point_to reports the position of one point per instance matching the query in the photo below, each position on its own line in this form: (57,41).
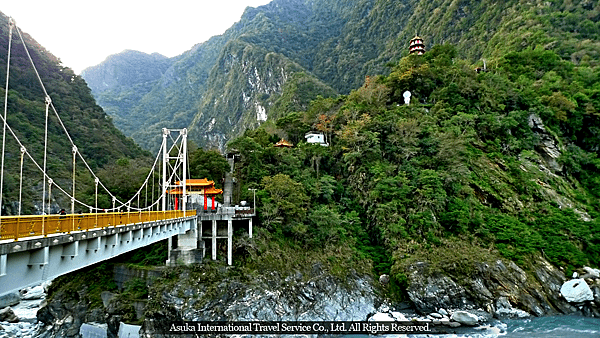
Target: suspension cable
(11,24)
(37,165)
(50,182)
(49,104)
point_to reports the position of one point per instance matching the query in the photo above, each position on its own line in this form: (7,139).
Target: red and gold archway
(197,187)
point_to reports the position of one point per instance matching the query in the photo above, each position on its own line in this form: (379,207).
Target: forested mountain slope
(123,80)
(234,81)
(90,128)
(480,168)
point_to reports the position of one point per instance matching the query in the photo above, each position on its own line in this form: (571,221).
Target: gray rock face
(63,316)
(433,292)
(576,291)
(485,286)
(269,297)
(548,143)
(505,310)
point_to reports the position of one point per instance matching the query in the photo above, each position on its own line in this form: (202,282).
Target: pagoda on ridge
(416,46)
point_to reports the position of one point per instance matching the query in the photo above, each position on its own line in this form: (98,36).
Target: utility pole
(253,198)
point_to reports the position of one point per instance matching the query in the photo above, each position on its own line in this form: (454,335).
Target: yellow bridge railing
(15,227)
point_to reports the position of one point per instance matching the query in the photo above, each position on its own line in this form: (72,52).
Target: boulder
(36,292)
(576,291)
(381,317)
(384,279)
(10,299)
(595,273)
(465,318)
(7,315)
(398,316)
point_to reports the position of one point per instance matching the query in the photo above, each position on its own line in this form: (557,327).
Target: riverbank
(480,300)
(316,297)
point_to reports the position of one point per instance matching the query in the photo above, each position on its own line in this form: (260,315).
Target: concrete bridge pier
(216,229)
(185,248)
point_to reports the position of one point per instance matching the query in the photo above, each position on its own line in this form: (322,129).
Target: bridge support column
(229,242)
(3,265)
(185,248)
(214,239)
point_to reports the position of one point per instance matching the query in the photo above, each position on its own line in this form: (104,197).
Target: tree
(208,164)
(287,202)
(294,126)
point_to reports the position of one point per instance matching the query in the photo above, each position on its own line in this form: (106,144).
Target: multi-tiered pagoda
(416,46)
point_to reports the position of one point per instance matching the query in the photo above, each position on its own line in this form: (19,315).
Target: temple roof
(213,191)
(197,182)
(284,143)
(209,187)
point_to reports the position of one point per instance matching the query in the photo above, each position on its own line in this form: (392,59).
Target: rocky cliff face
(215,294)
(298,297)
(496,287)
(246,82)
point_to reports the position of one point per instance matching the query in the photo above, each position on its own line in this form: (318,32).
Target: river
(537,327)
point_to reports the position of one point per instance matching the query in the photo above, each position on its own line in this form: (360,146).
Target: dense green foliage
(465,163)
(88,126)
(209,164)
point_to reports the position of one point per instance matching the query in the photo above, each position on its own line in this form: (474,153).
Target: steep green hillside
(122,80)
(141,104)
(89,127)
(502,164)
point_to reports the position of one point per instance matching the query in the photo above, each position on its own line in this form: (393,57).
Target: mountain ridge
(338,44)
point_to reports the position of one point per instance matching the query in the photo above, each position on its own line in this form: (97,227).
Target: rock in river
(576,291)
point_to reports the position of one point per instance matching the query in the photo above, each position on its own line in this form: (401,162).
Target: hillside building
(316,138)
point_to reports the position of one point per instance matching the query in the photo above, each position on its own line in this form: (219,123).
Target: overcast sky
(82,33)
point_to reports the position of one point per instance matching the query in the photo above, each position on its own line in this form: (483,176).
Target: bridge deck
(16,227)
(36,258)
